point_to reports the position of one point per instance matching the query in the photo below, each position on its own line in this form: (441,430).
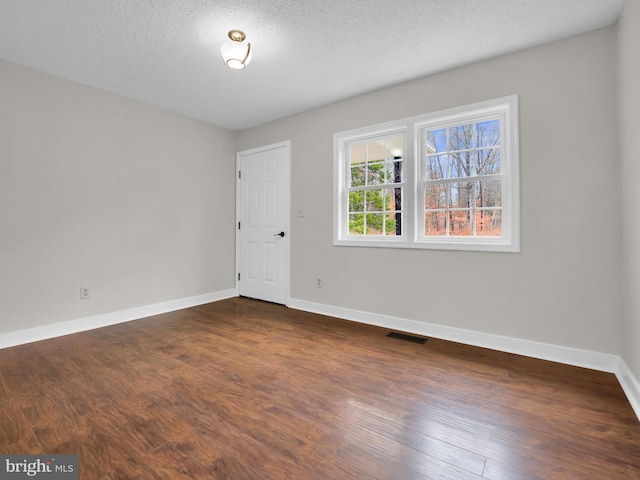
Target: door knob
(281,235)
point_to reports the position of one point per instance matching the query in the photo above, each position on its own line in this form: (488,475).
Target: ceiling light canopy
(235,53)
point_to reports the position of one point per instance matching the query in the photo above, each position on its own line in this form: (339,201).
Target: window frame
(414,131)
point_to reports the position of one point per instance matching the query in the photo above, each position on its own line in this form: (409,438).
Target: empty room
(319,240)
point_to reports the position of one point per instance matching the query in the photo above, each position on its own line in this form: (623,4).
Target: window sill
(479,245)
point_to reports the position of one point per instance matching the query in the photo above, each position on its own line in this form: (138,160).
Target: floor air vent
(406,338)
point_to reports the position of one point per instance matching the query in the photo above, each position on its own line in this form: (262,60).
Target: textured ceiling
(306,53)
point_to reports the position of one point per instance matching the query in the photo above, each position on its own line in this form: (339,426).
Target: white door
(263,223)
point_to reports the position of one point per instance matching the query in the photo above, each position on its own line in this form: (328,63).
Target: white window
(446,180)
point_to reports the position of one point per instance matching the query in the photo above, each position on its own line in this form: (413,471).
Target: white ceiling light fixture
(235,53)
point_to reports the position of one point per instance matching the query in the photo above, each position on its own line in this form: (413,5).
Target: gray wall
(564,287)
(629,101)
(96,190)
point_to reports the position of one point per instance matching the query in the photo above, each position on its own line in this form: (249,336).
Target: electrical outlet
(84,293)
(318,282)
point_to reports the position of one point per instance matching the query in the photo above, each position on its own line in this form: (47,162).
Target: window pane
(461,164)
(356,201)
(435,196)
(392,199)
(356,224)
(489,193)
(393,211)
(461,195)
(460,223)
(393,224)
(374,223)
(374,200)
(488,161)
(394,171)
(436,141)
(376,150)
(357,159)
(461,137)
(489,133)
(489,223)
(436,167)
(375,173)
(357,153)
(357,175)
(395,147)
(435,223)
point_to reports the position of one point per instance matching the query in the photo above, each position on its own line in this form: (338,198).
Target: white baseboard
(630,385)
(44,332)
(570,356)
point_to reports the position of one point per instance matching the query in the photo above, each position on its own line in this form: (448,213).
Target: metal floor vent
(406,338)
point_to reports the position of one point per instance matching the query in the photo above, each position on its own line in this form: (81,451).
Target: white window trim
(506,107)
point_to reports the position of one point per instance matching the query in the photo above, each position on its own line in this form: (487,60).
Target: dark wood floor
(242,389)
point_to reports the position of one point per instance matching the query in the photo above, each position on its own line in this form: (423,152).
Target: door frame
(287,200)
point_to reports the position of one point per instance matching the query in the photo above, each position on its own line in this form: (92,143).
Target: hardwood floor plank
(385,459)
(241,389)
(16,434)
(415,436)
